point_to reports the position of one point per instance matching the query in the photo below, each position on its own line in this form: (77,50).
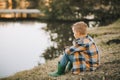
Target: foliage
(104,10)
(61,35)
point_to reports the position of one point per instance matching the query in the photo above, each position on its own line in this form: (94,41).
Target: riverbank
(108,41)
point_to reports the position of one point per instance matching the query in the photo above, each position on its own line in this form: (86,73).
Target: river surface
(21,44)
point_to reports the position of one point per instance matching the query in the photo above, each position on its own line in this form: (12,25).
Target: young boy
(82,56)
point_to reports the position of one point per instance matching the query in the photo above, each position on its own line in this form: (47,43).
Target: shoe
(60,71)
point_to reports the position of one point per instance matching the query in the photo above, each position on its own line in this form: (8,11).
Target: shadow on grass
(117,41)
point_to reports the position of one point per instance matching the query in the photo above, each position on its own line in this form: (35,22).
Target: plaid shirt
(85,55)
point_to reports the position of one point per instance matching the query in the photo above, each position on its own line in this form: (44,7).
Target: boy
(82,56)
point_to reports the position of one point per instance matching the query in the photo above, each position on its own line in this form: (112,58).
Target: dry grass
(108,41)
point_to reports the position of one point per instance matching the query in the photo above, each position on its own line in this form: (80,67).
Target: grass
(108,40)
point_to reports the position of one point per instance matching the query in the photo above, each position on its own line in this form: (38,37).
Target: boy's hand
(67,50)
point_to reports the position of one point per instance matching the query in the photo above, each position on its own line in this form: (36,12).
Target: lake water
(21,44)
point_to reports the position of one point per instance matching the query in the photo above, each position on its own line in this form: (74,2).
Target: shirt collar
(82,37)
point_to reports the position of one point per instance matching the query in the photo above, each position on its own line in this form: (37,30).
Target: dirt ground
(108,40)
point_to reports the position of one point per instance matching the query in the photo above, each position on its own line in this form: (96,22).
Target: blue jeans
(65,59)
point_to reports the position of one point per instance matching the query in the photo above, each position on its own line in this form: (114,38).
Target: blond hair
(80,27)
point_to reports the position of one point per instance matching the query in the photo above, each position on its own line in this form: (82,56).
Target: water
(21,44)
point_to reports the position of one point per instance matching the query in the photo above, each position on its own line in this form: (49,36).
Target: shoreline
(108,40)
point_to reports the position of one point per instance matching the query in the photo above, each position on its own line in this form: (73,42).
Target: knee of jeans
(60,57)
(67,51)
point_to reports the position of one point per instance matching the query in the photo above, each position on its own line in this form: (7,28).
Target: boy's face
(76,34)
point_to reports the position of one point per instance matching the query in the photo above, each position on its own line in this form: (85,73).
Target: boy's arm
(73,49)
(79,45)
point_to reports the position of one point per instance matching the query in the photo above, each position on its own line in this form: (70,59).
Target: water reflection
(61,35)
(21,44)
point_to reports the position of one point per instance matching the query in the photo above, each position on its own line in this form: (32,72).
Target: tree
(104,10)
